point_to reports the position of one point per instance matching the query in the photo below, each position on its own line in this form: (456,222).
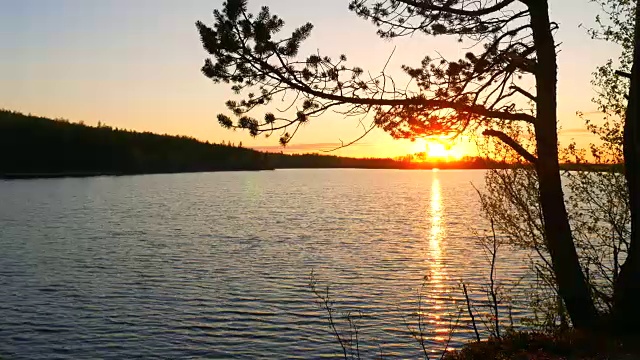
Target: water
(217,265)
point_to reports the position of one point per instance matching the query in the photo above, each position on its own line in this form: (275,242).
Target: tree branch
(524,92)
(451,95)
(415,101)
(424,5)
(623,74)
(626,75)
(512,143)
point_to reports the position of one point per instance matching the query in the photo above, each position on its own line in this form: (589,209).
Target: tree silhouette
(36,146)
(620,134)
(484,89)
(627,288)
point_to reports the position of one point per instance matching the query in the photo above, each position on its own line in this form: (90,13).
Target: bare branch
(524,92)
(623,74)
(473,319)
(626,75)
(512,143)
(343,145)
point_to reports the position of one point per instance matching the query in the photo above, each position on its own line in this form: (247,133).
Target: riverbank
(563,345)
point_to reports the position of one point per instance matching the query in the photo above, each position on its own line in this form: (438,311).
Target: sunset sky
(135,64)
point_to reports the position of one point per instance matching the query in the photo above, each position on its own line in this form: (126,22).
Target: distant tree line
(37,145)
(32,146)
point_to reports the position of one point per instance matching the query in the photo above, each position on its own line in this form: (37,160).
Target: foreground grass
(566,345)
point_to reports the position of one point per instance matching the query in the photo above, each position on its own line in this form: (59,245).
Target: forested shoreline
(33,146)
(38,147)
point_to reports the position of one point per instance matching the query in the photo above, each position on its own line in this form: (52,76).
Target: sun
(436,150)
(439,151)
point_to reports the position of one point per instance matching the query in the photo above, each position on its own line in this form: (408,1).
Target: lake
(218,265)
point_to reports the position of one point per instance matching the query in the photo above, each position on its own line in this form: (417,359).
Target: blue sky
(136,64)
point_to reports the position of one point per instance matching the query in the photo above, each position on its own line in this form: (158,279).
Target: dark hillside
(36,145)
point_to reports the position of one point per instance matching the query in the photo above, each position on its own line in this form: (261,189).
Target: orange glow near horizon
(157,86)
(441,149)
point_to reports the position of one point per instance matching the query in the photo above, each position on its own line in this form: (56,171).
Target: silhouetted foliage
(451,95)
(512,42)
(618,86)
(599,206)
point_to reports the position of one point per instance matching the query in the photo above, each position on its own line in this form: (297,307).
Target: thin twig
(326,304)
(473,319)
(494,297)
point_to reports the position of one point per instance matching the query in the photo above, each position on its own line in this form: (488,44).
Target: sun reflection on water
(436,284)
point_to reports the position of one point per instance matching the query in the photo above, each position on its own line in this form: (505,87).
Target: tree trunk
(627,288)
(572,285)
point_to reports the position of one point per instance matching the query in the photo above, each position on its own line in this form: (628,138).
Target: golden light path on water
(436,285)
(218,263)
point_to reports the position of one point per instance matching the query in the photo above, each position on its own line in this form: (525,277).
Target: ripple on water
(217,265)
